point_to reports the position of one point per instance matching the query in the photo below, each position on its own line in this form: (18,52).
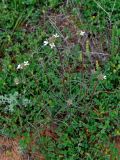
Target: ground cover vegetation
(59,79)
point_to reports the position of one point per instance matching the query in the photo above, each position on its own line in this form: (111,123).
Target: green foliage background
(85,127)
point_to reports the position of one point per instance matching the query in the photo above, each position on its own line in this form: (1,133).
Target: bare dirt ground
(9,150)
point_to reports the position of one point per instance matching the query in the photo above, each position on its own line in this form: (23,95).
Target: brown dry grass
(117,143)
(9,150)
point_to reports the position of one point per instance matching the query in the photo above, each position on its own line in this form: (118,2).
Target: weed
(59,77)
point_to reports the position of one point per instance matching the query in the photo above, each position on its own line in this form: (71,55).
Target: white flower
(19,66)
(56,35)
(45,43)
(101,76)
(104,77)
(52,45)
(22,65)
(26,63)
(82,33)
